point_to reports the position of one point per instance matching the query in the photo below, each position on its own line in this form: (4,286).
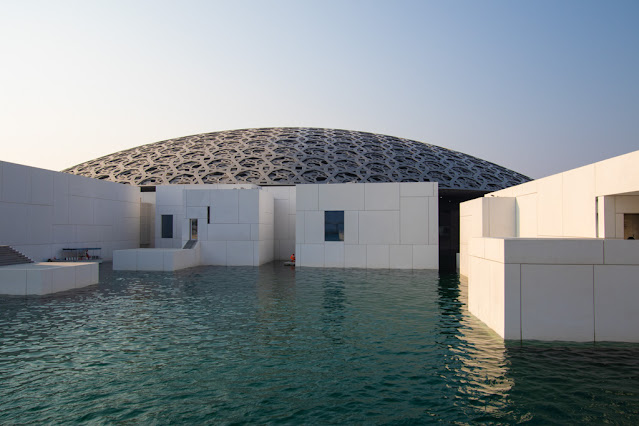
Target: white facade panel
(579,203)
(213,252)
(414,220)
(557,302)
(198,198)
(39,229)
(16,183)
(311,255)
(378,256)
(13,282)
(239,253)
(616,296)
(554,251)
(300,225)
(348,196)
(334,254)
(306,197)
(351,227)
(425,256)
(621,252)
(169,195)
(42,187)
(229,232)
(313,227)
(354,256)
(550,208)
(379,227)
(249,206)
(57,210)
(401,257)
(376,217)
(416,189)
(225,206)
(381,196)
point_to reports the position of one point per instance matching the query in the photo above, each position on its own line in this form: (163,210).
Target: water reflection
(478,355)
(259,345)
(575,382)
(334,308)
(542,382)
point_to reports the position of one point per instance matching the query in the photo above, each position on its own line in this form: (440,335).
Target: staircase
(9,256)
(190,244)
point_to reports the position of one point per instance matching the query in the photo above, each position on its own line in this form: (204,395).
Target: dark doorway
(449,201)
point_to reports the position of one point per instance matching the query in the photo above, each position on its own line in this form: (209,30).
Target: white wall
(544,283)
(585,202)
(565,205)
(147,259)
(47,278)
(485,217)
(386,225)
(171,200)
(556,289)
(241,231)
(42,211)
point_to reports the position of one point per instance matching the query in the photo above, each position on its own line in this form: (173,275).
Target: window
(167,226)
(334,226)
(208,214)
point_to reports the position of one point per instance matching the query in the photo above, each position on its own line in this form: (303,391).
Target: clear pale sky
(536,86)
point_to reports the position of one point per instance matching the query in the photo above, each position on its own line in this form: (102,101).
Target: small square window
(333,226)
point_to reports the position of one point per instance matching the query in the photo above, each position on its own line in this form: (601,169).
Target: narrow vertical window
(208,214)
(167,226)
(333,226)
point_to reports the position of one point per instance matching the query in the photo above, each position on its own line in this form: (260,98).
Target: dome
(289,156)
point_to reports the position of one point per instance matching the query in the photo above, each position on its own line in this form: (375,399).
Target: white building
(49,215)
(551,259)
(368,225)
(42,213)
(378,225)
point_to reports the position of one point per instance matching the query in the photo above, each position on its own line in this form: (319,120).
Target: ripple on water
(275,345)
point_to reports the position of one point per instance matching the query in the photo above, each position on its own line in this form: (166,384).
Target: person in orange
(293,257)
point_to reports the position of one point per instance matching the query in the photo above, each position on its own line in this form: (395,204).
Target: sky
(536,86)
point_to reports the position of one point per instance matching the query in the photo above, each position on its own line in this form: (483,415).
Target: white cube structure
(234,223)
(383,225)
(557,258)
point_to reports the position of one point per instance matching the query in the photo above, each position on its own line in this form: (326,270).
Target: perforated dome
(288,156)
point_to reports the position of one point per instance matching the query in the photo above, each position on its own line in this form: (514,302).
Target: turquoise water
(215,345)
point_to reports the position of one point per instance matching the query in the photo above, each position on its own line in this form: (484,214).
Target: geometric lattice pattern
(287,156)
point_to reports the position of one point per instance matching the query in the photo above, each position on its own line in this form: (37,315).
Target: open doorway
(193,229)
(449,225)
(631,226)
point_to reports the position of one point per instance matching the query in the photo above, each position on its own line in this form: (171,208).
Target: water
(215,345)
